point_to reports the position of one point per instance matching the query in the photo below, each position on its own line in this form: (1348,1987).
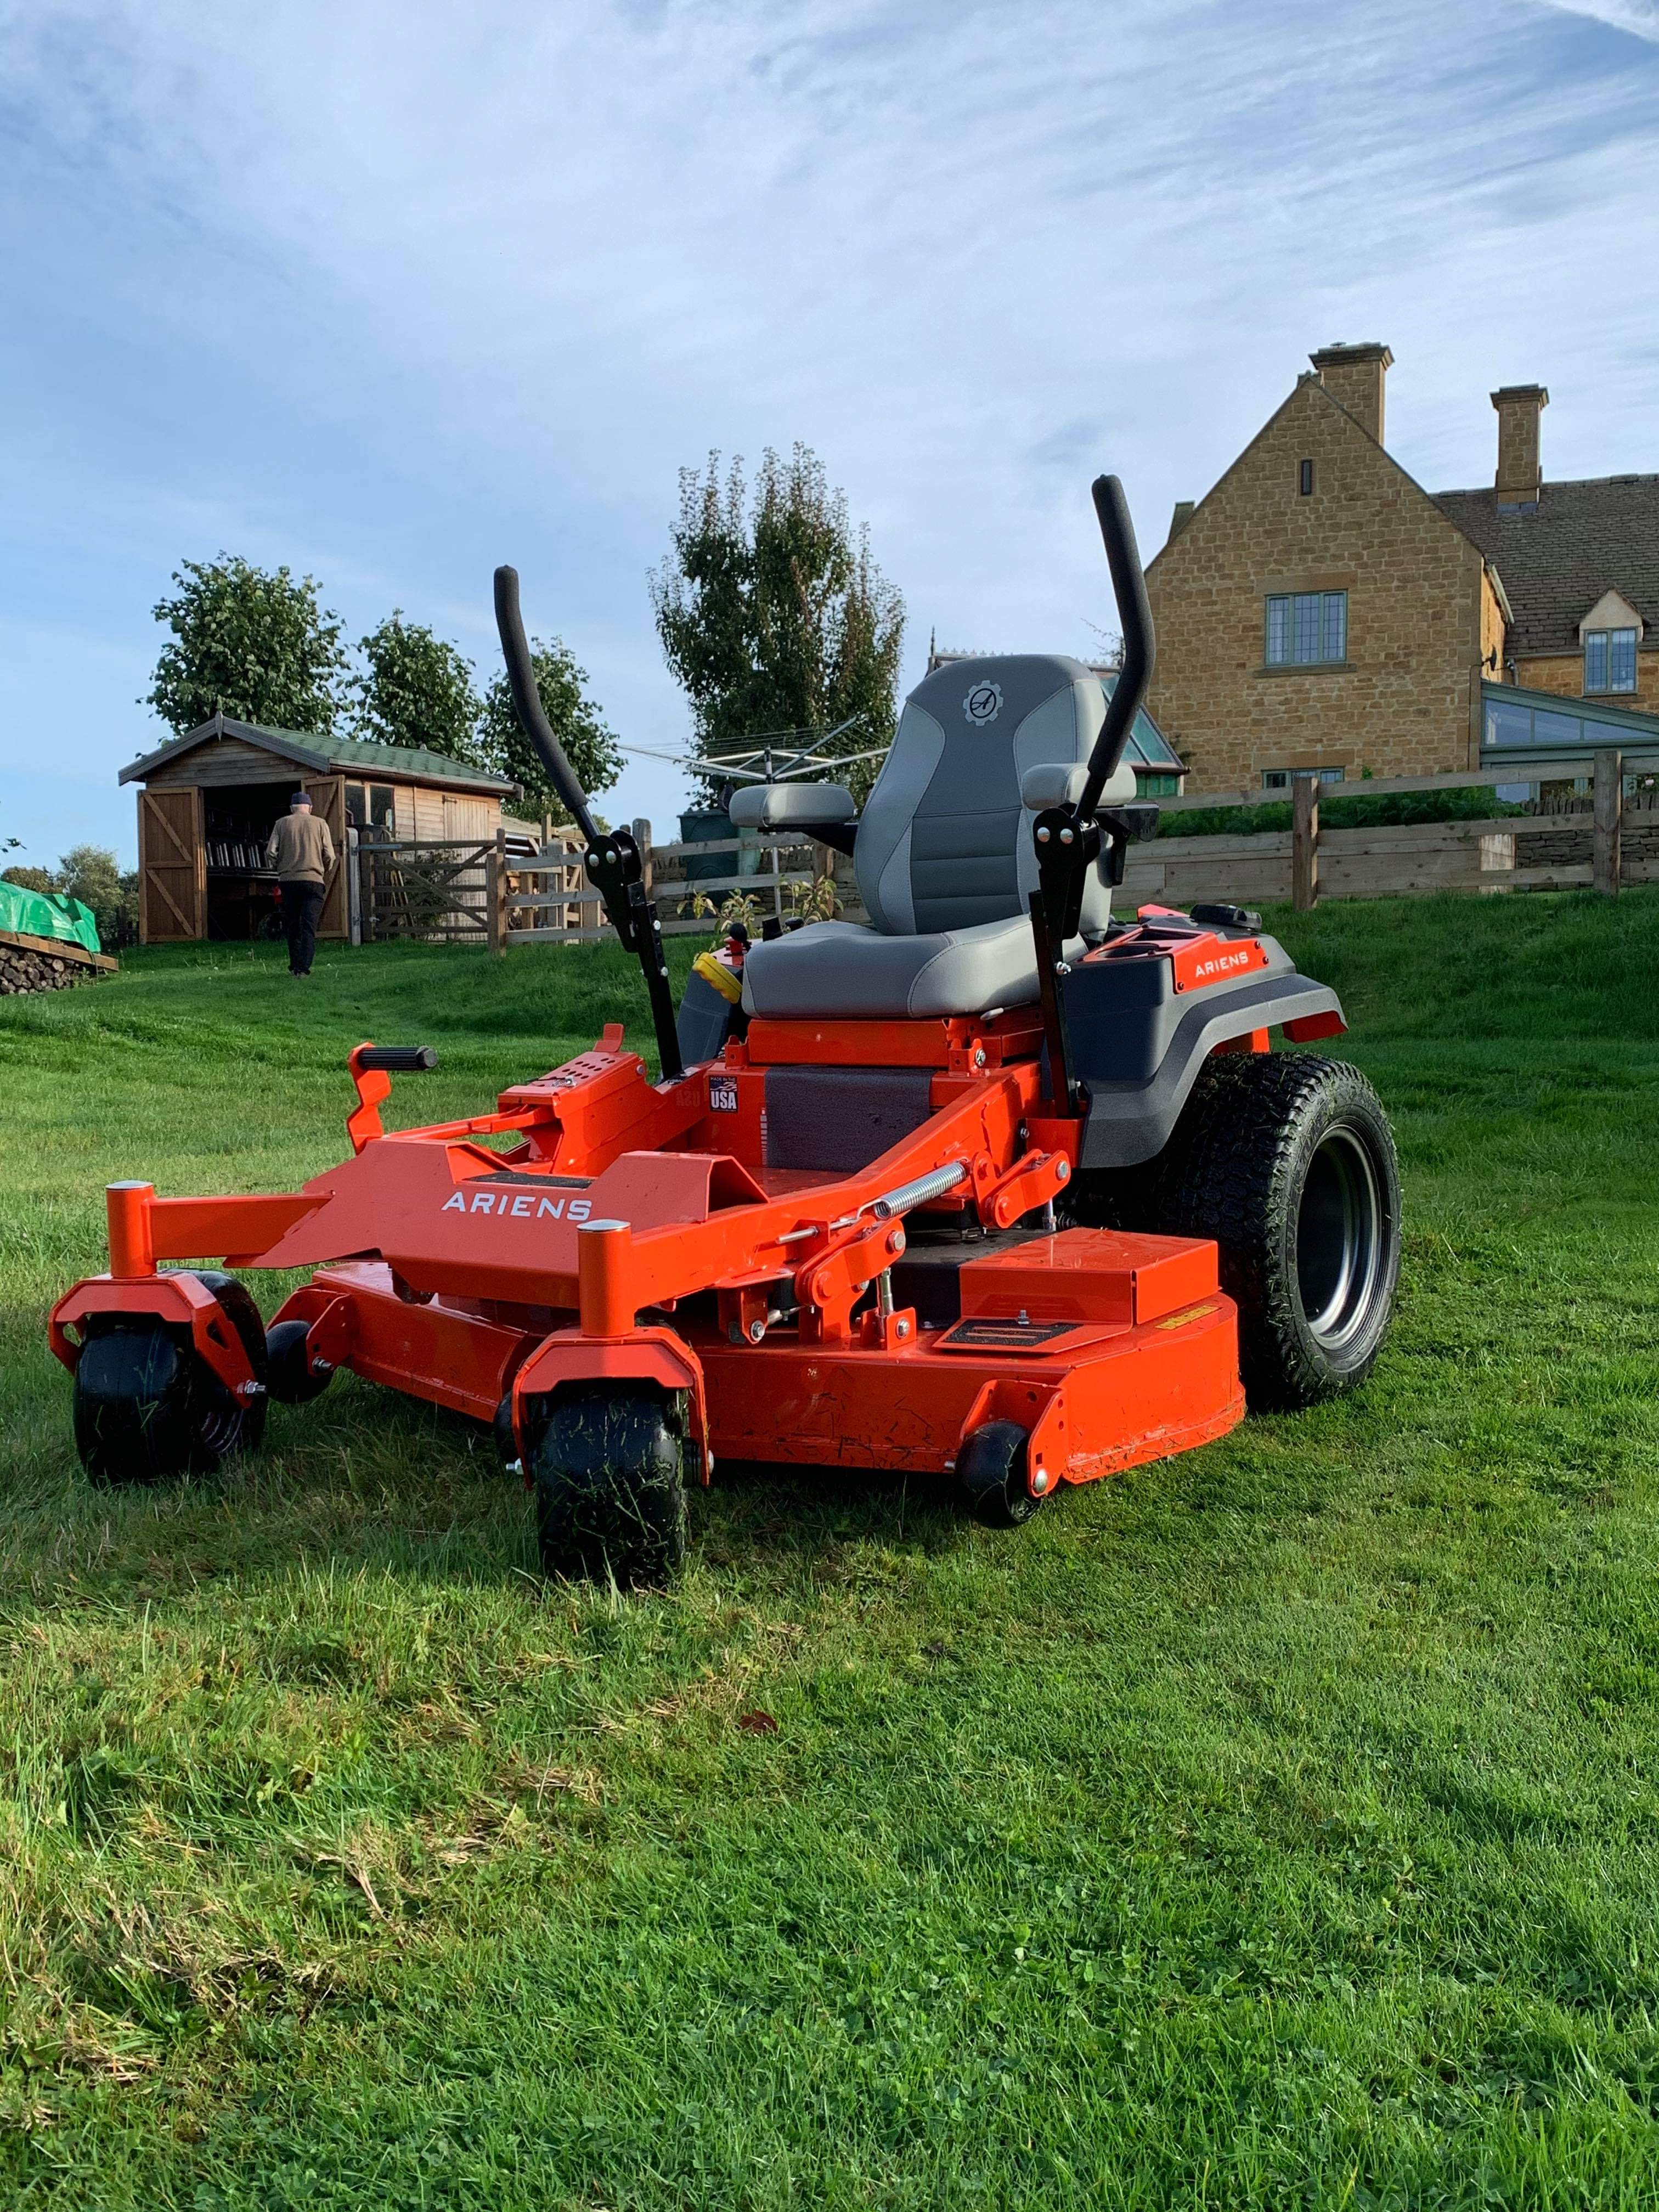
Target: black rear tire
(148,1408)
(991,1475)
(1287,1160)
(606,1464)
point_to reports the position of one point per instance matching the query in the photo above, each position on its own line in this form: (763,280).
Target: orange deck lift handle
(372,1067)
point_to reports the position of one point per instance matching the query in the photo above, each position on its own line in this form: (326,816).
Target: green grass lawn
(1277,1826)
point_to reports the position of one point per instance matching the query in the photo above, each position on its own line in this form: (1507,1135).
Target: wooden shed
(208,800)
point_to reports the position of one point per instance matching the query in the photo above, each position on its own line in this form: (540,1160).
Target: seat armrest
(801,806)
(1059,783)
(1053,783)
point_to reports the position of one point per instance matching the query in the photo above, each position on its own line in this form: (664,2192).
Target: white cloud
(395,294)
(1639,17)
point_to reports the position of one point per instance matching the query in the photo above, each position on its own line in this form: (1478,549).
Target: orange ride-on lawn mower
(994,1188)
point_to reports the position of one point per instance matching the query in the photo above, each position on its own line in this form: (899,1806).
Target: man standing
(302,853)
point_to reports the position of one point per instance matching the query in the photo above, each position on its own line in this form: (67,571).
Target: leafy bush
(92,874)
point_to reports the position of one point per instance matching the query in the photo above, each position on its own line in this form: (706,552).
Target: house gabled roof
(324,755)
(1307,382)
(1557,559)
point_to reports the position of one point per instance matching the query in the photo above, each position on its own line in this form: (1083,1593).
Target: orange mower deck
(626,1229)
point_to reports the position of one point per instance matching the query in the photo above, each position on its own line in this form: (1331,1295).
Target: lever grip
(527,700)
(397,1058)
(1135,614)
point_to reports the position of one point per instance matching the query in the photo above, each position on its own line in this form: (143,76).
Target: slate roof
(309,749)
(1557,560)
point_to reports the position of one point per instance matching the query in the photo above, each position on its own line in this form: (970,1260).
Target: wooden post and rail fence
(1601,839)
(477,892)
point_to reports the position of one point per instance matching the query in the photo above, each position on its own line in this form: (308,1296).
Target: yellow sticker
(1180,1319)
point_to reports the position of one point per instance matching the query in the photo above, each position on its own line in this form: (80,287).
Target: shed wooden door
(171,867)
(328,797)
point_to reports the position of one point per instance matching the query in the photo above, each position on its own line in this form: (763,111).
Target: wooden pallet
(55,948)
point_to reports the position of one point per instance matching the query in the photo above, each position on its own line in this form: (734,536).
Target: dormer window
(1610,633)
(1609,661)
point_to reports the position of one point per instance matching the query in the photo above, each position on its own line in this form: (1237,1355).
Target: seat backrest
(944,841)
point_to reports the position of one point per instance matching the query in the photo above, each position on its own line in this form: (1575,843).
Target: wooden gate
(328,800)
(171,867)
(450,892)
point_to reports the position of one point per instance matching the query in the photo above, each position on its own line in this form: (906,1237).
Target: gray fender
(1138,1046)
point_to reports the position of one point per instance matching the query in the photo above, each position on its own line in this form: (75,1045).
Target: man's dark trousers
(301,904)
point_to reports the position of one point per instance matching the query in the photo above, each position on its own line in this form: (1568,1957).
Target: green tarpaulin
(45,914)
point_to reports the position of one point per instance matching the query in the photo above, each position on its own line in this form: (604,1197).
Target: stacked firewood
(21,970)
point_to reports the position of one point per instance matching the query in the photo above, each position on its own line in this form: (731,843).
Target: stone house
(1318,611)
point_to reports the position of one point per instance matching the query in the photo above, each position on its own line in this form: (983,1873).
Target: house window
(1280,778)
(1304,480)
(1609,661)
(1307,629)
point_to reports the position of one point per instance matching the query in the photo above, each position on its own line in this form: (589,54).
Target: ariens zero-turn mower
(995,1188)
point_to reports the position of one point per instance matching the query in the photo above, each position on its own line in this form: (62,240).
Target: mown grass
(1278,1826)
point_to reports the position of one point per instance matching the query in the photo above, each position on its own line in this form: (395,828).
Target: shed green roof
(319,751)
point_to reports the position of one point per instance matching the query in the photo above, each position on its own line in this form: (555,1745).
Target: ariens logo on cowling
(1222,966)
(518,1205)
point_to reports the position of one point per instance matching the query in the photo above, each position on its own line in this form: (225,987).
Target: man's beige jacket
(301,849)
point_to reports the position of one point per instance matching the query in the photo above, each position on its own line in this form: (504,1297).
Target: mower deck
(601,1224)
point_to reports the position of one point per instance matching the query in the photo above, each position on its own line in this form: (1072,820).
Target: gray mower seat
(944,853)
(840,971)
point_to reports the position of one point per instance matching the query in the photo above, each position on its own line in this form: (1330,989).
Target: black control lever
(613,858)
(1070,838)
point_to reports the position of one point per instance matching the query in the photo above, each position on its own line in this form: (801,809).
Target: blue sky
(392,295)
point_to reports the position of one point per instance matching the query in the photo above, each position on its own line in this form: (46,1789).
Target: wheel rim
(1338,1238)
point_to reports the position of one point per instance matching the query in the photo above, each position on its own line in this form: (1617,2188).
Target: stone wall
(21,970)
(1564,673)
(1420,613)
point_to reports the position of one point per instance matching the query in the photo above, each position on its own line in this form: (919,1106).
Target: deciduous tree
(252,641)
(773,613)
(590,746)
(92,874)
(415,688)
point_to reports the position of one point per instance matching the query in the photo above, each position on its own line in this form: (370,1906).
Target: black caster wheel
(606,1464)
(295,1378)
(991,1475)
(506,1442)
(149,1407)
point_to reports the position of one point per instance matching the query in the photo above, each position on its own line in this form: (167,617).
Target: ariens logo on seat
(518,1205)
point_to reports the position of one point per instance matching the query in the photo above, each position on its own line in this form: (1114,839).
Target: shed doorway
(238,820)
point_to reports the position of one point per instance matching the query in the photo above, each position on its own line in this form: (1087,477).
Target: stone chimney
(1519,473)
(1353,376)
